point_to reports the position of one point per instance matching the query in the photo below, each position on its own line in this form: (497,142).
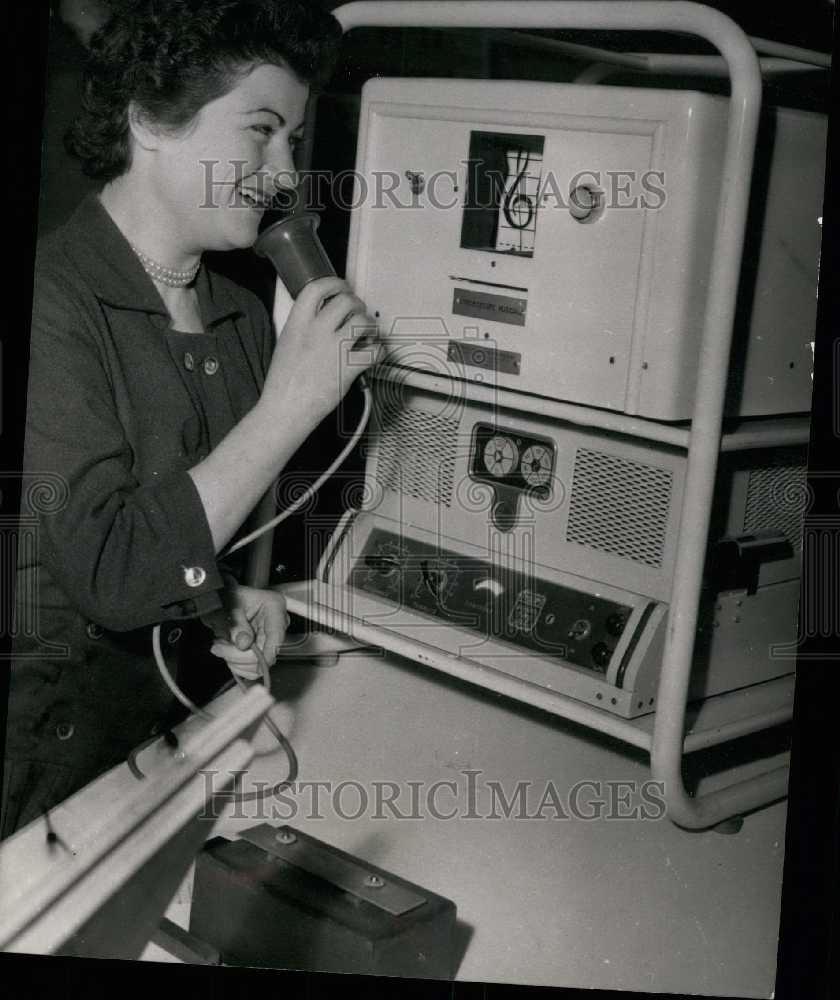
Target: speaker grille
(417,455)
(619,506)
(777,496)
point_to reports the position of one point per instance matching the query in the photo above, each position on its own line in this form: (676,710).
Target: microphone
(294,248)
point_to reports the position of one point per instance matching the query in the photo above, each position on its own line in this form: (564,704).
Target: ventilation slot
(619,506)
(777,496)
(417,455)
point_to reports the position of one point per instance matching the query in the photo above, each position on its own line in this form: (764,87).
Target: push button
(64,730)
(94,631)
(211,365)
(194,576)
(189,361)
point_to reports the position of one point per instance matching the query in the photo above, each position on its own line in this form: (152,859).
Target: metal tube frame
(705,437)
(709,66)
(783,58)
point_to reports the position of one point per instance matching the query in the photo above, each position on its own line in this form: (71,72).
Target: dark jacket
(113,537)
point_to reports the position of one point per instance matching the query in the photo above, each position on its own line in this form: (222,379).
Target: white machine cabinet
(558,239)
(555,509)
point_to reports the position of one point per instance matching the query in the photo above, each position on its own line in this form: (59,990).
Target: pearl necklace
(166,275)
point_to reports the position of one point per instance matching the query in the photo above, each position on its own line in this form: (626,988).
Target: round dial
(536,465)
(500,456)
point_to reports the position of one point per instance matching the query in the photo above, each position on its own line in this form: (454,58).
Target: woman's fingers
(362,330)
(311,359)
(275,621)
(241,632)
(340,310)
(260,620)
(366,348)
(312,295)
(243,662)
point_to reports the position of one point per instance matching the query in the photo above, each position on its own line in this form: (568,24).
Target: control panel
(533,614)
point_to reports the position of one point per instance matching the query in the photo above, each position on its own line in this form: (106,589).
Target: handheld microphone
(294,248)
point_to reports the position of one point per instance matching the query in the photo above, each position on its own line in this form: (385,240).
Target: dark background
(43,186)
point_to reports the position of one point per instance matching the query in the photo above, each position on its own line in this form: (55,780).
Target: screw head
(374,882)
(286,837)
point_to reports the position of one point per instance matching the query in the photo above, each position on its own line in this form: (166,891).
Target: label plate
(488,305)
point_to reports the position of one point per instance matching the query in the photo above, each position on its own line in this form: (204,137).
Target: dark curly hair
(171,57)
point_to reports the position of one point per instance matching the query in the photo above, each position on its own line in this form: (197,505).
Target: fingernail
(242,640)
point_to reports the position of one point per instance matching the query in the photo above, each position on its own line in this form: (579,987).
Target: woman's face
(215,179)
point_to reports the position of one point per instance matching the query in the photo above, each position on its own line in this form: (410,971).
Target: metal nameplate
(297,849)
(487,305)
(480,355)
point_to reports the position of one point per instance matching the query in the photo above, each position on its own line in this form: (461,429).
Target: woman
(159,408)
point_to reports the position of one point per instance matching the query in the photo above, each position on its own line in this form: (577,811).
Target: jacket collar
(116,276)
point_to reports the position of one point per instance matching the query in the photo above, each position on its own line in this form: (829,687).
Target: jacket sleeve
(127,554)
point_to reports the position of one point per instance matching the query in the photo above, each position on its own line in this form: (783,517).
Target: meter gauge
(500,456)
(437,579)
(536,465)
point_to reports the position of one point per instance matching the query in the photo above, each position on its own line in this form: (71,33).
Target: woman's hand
(316,358)
(256,617)
(327,341)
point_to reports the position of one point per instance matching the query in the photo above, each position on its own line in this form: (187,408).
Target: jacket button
(211,365)
(64,730)
(174,635)
(94,631)
(194,576)
(189,361)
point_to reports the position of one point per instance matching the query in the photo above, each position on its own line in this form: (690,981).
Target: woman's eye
(265,130)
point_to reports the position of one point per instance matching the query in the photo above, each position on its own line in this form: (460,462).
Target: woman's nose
(281,169)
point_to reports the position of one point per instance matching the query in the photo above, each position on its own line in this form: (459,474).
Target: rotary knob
(580,629)
(615,624)
(386,561)
(601,655)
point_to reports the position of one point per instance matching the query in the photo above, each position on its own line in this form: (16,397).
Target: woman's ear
(142,131)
